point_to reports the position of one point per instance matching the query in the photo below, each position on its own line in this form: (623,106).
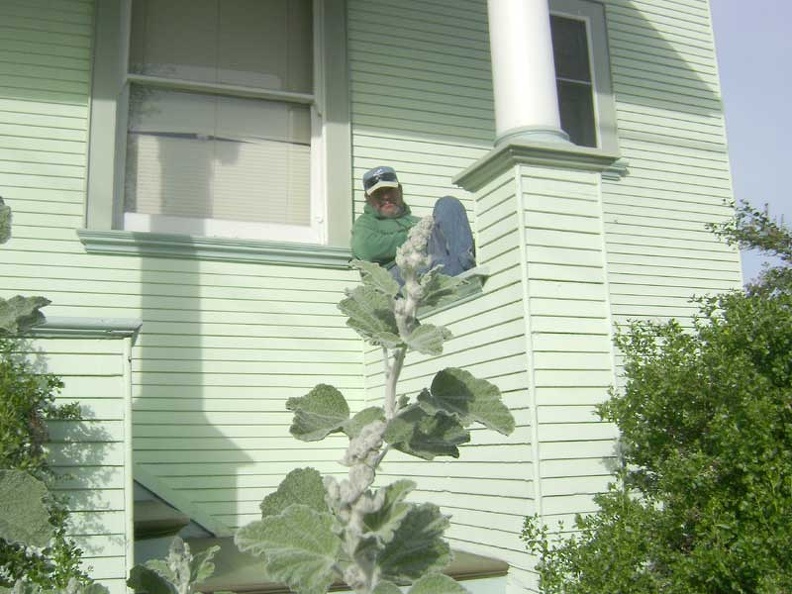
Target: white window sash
(317,230)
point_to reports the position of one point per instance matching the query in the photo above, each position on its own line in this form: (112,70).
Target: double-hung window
(585,98)
(220,123)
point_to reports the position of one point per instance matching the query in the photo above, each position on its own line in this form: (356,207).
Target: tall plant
(315,531)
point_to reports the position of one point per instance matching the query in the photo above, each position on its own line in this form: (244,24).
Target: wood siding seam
(528,337)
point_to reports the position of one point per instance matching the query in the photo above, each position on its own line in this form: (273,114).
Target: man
(386,220)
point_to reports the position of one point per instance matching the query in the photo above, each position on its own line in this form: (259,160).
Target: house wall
(223,343)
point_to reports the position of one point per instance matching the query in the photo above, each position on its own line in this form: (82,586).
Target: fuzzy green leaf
(417,547)
(371,315)
(386,588)
(365,417)
(377,277)
(438,288)
(456,392)
(317,414)
(201,567)
(20,313)
(24,518)
(144,579)
(5,222)
(299,548)
(302,486)
(418,433)
(428,339)
(383,524)
(437,583)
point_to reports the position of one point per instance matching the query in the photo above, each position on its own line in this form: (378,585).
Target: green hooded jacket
(375,238)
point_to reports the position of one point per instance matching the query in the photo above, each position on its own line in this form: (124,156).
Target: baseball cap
(379,177)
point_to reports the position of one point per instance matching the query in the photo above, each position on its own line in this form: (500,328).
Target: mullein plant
(317,531)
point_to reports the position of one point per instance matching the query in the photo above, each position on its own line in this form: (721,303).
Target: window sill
(160,245)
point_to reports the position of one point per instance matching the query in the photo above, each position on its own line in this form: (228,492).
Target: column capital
(549,154)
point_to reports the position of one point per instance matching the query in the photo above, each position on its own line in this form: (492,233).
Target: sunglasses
(375,179)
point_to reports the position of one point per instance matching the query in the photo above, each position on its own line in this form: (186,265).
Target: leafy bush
(754,229)
(703,501)
(27,403)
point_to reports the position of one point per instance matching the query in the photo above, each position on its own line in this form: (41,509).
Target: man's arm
(376,242)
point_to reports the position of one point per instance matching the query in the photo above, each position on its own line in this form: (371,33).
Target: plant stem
(359,501)
(391,380)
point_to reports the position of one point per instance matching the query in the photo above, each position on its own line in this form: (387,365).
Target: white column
(523,72)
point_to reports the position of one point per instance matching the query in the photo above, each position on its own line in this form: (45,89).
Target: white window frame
(592,13)
(331,204)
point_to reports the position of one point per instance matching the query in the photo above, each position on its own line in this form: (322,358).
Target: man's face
(387,202)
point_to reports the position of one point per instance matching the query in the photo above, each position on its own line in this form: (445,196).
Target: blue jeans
(451,242)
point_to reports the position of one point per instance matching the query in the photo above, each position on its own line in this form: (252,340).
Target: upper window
(585,99)
(573,80)
(220,127)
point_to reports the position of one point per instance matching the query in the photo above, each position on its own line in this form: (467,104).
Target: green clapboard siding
(92,453)
(421,95)
(671,132)
(567,302)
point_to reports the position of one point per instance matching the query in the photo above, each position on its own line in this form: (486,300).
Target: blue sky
(754,45)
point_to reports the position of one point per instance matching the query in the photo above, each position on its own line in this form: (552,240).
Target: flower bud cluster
(351,500)
(354,577)
(413,261)
(365,447)
(412,256)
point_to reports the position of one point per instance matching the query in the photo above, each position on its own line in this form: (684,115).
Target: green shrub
(27,403)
